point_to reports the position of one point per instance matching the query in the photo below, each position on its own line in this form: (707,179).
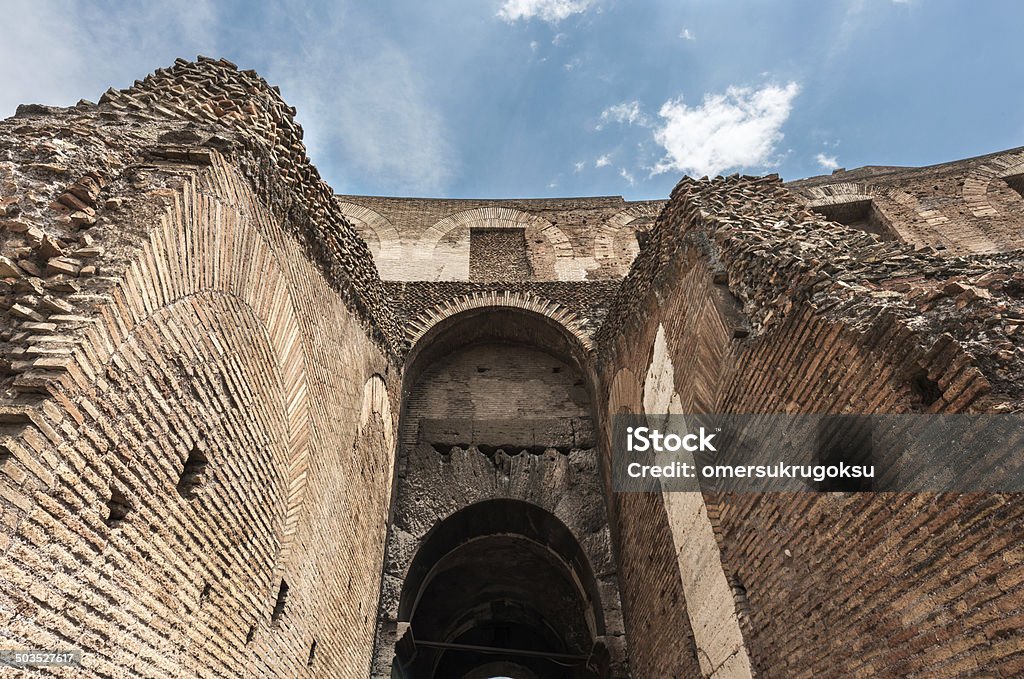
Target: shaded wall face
(821,585)
(500,395)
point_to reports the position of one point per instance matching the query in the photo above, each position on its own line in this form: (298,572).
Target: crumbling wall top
(209,91)
(775,254)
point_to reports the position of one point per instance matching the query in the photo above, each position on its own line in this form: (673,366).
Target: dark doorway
(500,584)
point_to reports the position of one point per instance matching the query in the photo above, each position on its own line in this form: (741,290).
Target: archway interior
(501,583)
(495,379)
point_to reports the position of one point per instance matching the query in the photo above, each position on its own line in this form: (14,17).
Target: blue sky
(534,98)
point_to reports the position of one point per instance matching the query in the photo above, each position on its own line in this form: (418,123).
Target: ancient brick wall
(567,239)
(189,379)
(759,307)
(202,375)
(960,207)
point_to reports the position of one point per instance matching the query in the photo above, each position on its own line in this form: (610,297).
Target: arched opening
(496,492)
(500,588)
(498,378)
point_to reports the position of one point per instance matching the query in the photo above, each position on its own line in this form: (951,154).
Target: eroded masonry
(250,428)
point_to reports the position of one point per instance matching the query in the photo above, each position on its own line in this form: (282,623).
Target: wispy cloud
(628,113)
(627,175)
(551,11)
(737,129)
(391,135)
(827,162)
(578,166)
(603,161)
(57,53)
(687,34)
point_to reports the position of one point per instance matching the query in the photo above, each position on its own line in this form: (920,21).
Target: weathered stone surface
(205,357)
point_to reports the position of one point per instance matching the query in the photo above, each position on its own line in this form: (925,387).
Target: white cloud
(551,11)
(603,161)
(572,65)
(579,166)
(625,174)
(558,39)
(726,131)
(687,34)
(628,112)
(827,162)
(534,45)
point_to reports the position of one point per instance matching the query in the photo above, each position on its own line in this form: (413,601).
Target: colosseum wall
(252,428)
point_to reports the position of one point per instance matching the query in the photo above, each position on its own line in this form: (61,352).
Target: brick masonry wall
(568,239)
(200,374)
(965,206)
(192,419)
(824,586)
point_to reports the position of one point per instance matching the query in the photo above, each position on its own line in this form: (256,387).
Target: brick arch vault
(497,455)
(177,438)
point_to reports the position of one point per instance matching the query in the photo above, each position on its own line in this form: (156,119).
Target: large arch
(429,323)
(501,573)
(167,273)
(498,412)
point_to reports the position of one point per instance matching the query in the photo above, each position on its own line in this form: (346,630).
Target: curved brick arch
(631,214)
(611,231)
(498,299)
(499,217)
(171,268)
(848,192)
(365,219)
(978,183)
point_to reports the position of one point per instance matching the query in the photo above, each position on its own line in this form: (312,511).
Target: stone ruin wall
(746,302)
(961,207)
(554,239)
(199,372)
